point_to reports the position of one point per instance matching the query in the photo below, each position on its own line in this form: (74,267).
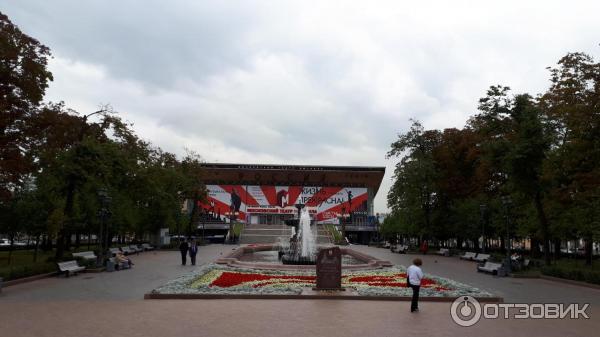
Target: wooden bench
(146,246)
(482,257)
(86,255)
(119,265)
(468,256)
(69,267)
(114,251)
(136,249)
(490,267)
(127,251)
(400,249)
(443,252)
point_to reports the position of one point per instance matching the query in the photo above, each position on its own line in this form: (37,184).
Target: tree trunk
(535,248)
(10,249)
(557,249)
(35,250)
(77,240)
(68,241)
(68,211)
(588,250)
(543,221)
(194,216)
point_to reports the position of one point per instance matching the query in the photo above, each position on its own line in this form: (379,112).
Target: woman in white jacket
(414,275)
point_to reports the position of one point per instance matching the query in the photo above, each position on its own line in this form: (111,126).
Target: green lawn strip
(22,264)
(573,270)
(570,269)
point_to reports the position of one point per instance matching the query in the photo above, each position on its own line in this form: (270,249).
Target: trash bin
(110,266)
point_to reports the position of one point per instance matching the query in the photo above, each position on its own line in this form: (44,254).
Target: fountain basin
(240,258)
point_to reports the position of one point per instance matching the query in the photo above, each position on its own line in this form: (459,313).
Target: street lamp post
(482,209)
(507,202)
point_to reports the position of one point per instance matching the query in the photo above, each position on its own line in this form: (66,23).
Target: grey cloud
(297,82)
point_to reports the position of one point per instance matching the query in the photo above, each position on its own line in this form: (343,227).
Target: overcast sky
(300,82)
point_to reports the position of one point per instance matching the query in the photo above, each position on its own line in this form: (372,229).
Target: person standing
(414,275)
(183,248)
(193,251)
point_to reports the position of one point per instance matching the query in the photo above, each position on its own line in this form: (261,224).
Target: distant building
(266,194)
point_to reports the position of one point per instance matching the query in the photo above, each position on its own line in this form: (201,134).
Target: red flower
(232,279)
(257,280)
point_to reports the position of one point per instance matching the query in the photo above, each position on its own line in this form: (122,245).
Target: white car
(4,242)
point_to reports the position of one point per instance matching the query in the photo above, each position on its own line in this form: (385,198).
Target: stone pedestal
(329,269)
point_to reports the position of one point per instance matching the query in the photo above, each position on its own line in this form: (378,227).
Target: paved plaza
(111,304)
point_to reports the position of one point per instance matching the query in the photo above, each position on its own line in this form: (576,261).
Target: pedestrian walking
(414,275)
(193,251)
(183,248)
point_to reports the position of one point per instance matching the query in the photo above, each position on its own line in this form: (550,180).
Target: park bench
(86,255)
(127,251)
(69,267)
(490,267)
(443,252)
(114,251)
(468,256)
(136,249)
(119,265)
(482,257)
(146,246)
(400,249)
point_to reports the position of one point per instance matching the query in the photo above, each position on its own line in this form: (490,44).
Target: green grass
(574,270)
(22,265)
(571,269)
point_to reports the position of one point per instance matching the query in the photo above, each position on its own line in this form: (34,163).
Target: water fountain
(299,252)
(302,248)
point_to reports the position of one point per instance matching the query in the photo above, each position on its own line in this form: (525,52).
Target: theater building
(267,195)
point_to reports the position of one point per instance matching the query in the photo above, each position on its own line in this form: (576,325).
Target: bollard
(1,279)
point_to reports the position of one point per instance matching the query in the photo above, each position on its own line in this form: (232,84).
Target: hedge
(577,274)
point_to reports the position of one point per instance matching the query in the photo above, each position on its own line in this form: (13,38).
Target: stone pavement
(111,304)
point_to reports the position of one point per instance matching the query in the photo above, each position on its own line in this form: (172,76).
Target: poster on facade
(324,203)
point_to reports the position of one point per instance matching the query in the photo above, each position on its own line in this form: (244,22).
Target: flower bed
(217,279)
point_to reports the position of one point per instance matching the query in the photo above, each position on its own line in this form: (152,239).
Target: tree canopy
(543,152)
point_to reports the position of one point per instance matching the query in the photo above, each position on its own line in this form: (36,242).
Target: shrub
(572,273)
(15,272)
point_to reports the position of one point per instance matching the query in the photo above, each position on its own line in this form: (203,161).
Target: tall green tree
(24,78)
(413,192)
(572,106)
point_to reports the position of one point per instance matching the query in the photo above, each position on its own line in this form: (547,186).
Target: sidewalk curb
(27,279)
(155,296)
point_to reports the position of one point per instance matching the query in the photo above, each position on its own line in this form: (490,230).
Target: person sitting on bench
(121,258)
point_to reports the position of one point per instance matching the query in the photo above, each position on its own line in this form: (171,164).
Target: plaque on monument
(329,269)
